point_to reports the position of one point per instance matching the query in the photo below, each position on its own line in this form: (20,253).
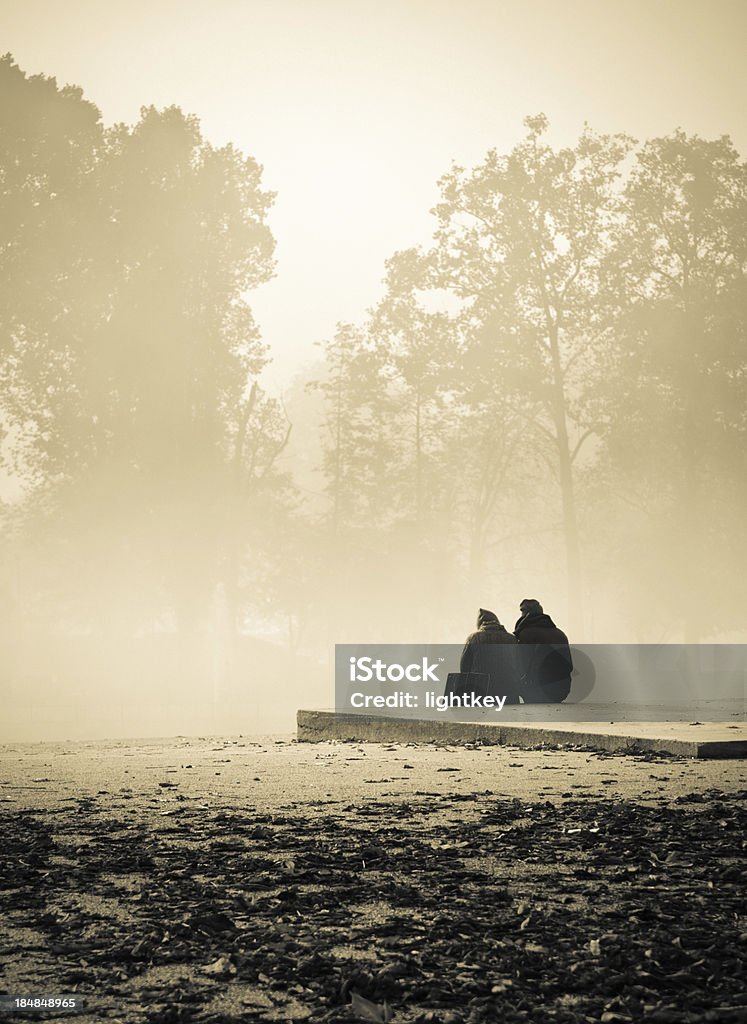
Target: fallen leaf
(366,1010)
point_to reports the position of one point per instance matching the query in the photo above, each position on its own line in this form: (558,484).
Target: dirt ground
(257,879)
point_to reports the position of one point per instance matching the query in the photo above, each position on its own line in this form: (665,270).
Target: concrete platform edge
(320,726)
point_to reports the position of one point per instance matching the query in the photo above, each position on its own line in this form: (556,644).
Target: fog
(545,398)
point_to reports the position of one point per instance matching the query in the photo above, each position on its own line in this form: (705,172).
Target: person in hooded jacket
(546,658)
(492,650)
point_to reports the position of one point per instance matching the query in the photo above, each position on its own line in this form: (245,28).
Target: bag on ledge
(463,683)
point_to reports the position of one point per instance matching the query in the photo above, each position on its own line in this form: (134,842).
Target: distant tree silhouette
(677,443)
(590,369)
(455,418)
(521,241)
(125,258)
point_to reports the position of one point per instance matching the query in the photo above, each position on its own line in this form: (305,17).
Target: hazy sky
(356,107)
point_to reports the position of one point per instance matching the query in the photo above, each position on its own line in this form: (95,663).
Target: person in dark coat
(492,650)
(547,658)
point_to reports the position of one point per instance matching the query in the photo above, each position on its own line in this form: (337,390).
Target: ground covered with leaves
(444,907)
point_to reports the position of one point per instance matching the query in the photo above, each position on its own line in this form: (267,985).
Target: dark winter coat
(494,651)
(546,659)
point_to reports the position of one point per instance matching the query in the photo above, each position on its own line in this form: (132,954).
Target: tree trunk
(570,531)
(693,543)
(418,462)
(568,498)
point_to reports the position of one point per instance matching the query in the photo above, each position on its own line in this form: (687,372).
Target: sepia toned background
(330,323)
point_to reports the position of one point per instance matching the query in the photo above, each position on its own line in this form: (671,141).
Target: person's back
(547,662)
(492,650)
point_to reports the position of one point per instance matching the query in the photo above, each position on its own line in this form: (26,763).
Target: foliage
(129,344)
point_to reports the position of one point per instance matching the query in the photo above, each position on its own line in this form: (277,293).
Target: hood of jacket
(535,619)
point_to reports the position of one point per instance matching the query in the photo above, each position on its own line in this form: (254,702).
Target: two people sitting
(532,663)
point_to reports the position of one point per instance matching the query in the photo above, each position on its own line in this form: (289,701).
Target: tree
(453,413)
(521,241)
(50,139)
(419,349)
(677,441)
(130,345)
(359,442)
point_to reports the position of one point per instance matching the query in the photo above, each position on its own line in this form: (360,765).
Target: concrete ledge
(710,740)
